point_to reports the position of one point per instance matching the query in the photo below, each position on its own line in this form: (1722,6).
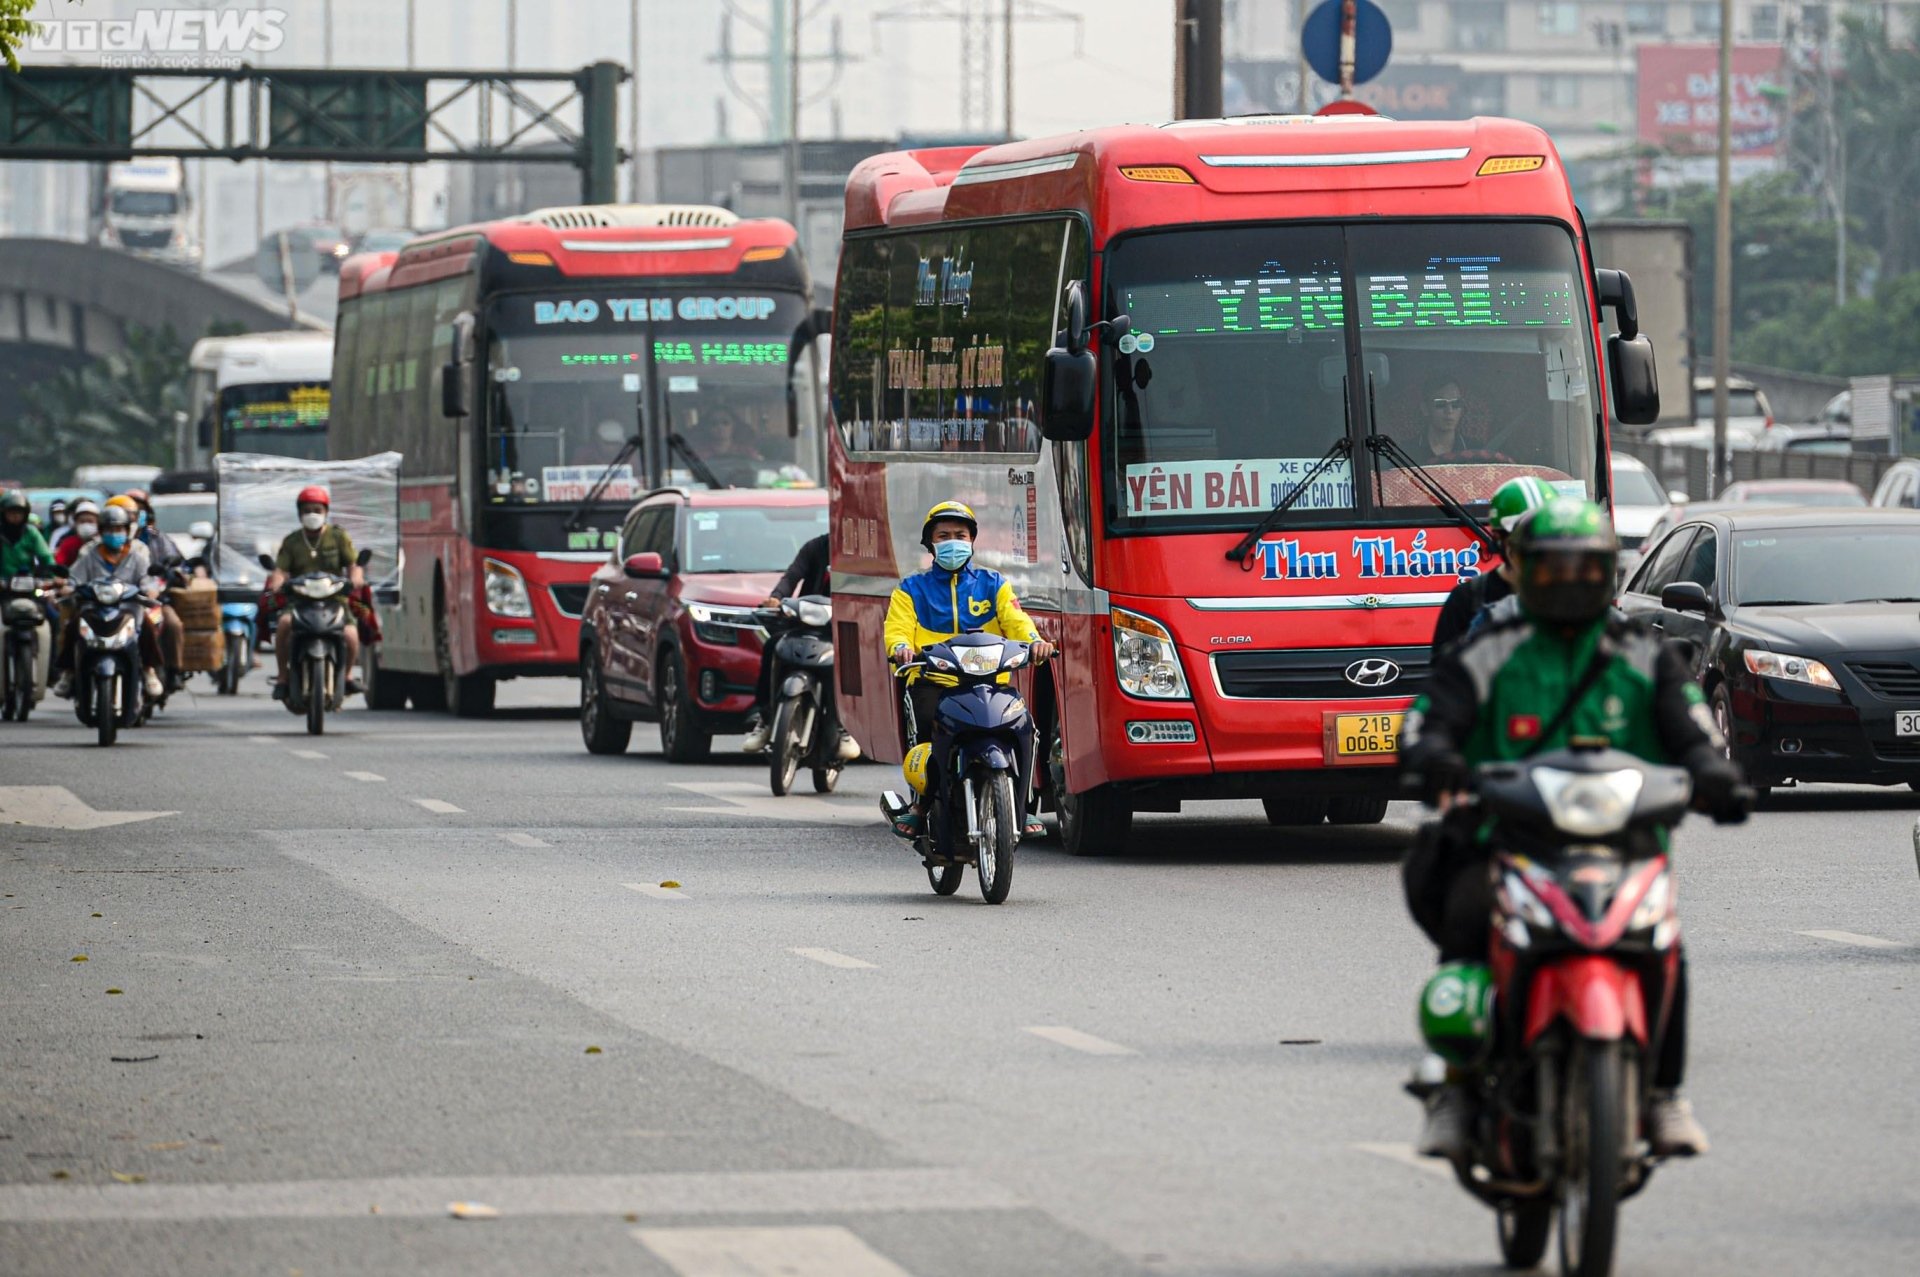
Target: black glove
(1720,789)
(1442,772)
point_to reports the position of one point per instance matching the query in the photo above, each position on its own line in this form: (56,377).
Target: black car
(1804,628)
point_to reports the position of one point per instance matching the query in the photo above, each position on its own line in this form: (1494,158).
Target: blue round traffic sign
(1372,41)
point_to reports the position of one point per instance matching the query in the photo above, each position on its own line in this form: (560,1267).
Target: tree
(16,28)
(1877,101)
(117,409)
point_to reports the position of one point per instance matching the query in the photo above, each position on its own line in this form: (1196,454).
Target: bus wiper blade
(1243,550)
(587,502)
(701,471)
(1387,446)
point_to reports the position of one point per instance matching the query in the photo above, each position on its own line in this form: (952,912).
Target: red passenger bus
(539,374)
(1129,348)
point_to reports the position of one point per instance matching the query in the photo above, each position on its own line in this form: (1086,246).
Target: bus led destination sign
(639,310)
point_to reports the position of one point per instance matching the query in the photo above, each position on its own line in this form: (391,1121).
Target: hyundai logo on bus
(1373,673)
(634,310)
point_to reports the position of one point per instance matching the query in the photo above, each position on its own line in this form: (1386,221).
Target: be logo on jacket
(936,604)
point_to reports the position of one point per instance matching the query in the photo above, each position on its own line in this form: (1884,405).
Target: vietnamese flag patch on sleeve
(1523,727)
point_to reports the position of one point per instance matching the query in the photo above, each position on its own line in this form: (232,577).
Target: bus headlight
(506,590)
(1145,659)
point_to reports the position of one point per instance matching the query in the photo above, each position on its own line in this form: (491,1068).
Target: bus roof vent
(580,216)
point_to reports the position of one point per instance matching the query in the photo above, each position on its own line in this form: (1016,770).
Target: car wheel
(602,732)
(1723,715)
(682,738)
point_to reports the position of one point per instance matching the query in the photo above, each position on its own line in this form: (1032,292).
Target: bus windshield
(567,376)
(279,418)
(1238,374)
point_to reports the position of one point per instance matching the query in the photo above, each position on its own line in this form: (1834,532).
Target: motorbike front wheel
(945,879)
(825,779)
(1525,1228)
(792,741)
(239,660)
(319,684)
(998,820)
(106,709)
(19,681)
(1590,1182)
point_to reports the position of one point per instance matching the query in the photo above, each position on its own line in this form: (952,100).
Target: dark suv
(669,634)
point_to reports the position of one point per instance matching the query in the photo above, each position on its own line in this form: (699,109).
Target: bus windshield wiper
(592,498)
(1243,549)
(701,471)
(1386,446)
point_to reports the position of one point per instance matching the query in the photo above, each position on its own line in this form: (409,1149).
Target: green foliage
(15,29)
(1875,334)
(1877,102)
(119,409)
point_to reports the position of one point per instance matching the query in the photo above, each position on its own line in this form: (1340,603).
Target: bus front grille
(1322,674)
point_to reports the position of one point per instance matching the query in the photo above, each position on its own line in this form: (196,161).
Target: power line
(978,23)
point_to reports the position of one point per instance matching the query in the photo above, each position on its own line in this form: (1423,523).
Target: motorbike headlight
(981,660)
(507,590)
(1791,669)
(1145,660)
(112,591)
(318,587)
(21,585)
(814,615)
(1655,905)
(1588,805)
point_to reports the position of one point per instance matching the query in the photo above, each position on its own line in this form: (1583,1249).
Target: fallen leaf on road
(373,1210)
(61,1175)
(593,1050)
(130,1059)
(670,885)
(472,1210)
(166,1146)
(78,957)
(125,1178)
(98,915)
(112,991)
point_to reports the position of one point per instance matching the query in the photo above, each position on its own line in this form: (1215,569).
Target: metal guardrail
(1685,469)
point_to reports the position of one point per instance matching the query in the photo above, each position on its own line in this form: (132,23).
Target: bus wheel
(1095,823)
(385,690)
(467,695)
(1295,811)
(1356,809)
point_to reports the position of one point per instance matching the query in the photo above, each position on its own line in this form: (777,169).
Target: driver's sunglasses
(1448,405)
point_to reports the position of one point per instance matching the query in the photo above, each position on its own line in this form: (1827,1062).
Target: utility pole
(1196,60)
(1722,259)
(327,35)
(408,219)
(793,119)
(633,112)
(974,61)
(1006,70)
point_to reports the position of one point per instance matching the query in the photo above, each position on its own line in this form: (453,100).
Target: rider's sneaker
(355,687)
(1671,1127)
(64,687)
(1449,1115)
(279,691)
(155,688)
(849,747)
(759,732)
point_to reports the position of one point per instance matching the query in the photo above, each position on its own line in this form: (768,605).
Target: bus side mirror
(1636,384)
(453,391)
(1615,289)
(205,433)
(1066,409)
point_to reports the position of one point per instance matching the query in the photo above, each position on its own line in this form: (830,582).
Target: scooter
(806,725)
(317,654)
(977,804)
(23,610)
(240,621)
(1584,958)
(108,690)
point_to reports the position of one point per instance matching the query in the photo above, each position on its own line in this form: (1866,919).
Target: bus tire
(682,737)
(466,695)
(385,690)
(1356,809)
(1095,823)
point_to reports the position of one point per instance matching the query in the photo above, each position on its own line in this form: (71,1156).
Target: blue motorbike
(977,792)
(240,621)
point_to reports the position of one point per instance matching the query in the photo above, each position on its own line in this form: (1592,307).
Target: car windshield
(749,538)
(1804,496)
(279,418)
(180,514)
(1634,486)
(1238,373)
(1825,565)
(1740,403)
(567,377)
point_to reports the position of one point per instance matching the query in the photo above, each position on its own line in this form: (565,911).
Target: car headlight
(814,615)
(506,590)
(1655,905)
(981,660)
(1586,805)
(1145,659)
(1793,669)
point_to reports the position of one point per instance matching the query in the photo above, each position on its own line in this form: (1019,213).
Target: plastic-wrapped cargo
(257,512)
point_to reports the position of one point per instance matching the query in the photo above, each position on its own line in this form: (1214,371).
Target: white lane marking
(829,958)
(264,740)
(1074,1039)
(748,799)
(1854,938)
(426,1197)
(308,753)
(366,776)
(519,839)
(1404,1154)
(439,806)
(766,1252)
(655,890)
(56,807)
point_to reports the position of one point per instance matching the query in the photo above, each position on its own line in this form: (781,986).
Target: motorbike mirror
(364,557)
(266,561)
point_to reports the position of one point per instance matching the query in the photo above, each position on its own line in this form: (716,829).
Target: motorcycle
(977,804)
(23,609)
(1583,961)
(108,691)
(240,620)
(317,654)
(806,725)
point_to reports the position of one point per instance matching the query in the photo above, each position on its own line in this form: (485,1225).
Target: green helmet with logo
(1454,1010)
(1517,498)
(1567,556)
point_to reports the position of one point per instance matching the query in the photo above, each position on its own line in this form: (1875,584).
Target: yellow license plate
(1361,738)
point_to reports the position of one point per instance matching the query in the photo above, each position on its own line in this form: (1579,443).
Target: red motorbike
(1584,961)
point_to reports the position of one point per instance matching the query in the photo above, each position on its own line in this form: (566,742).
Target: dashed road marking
(264,740)
(823,1251)
(827,957)
(366,776)
(748,799)
(1404,1154)
(308,753)
(439,806)
(1074,1039)
(655,890)
(1854,938)
(519,839)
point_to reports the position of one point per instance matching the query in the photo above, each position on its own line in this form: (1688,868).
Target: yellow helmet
(124,503)
(915,767)
(948,512)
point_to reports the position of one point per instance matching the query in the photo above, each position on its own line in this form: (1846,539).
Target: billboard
(1679,108)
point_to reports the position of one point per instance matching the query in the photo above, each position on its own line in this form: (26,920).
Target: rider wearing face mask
(113,555)
(951,597)
(85,526)
(315,546)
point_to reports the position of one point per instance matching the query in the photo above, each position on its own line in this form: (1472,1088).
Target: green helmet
(1567,557)
(1515,499)
(1455,1008)
(15,499)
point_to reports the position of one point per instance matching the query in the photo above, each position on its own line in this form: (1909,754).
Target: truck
(147,210)
(1658,256)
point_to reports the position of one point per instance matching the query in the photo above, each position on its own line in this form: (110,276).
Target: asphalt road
(346,982)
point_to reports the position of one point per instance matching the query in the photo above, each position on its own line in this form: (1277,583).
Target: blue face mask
(953,555)
(143,520)
(113,540)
